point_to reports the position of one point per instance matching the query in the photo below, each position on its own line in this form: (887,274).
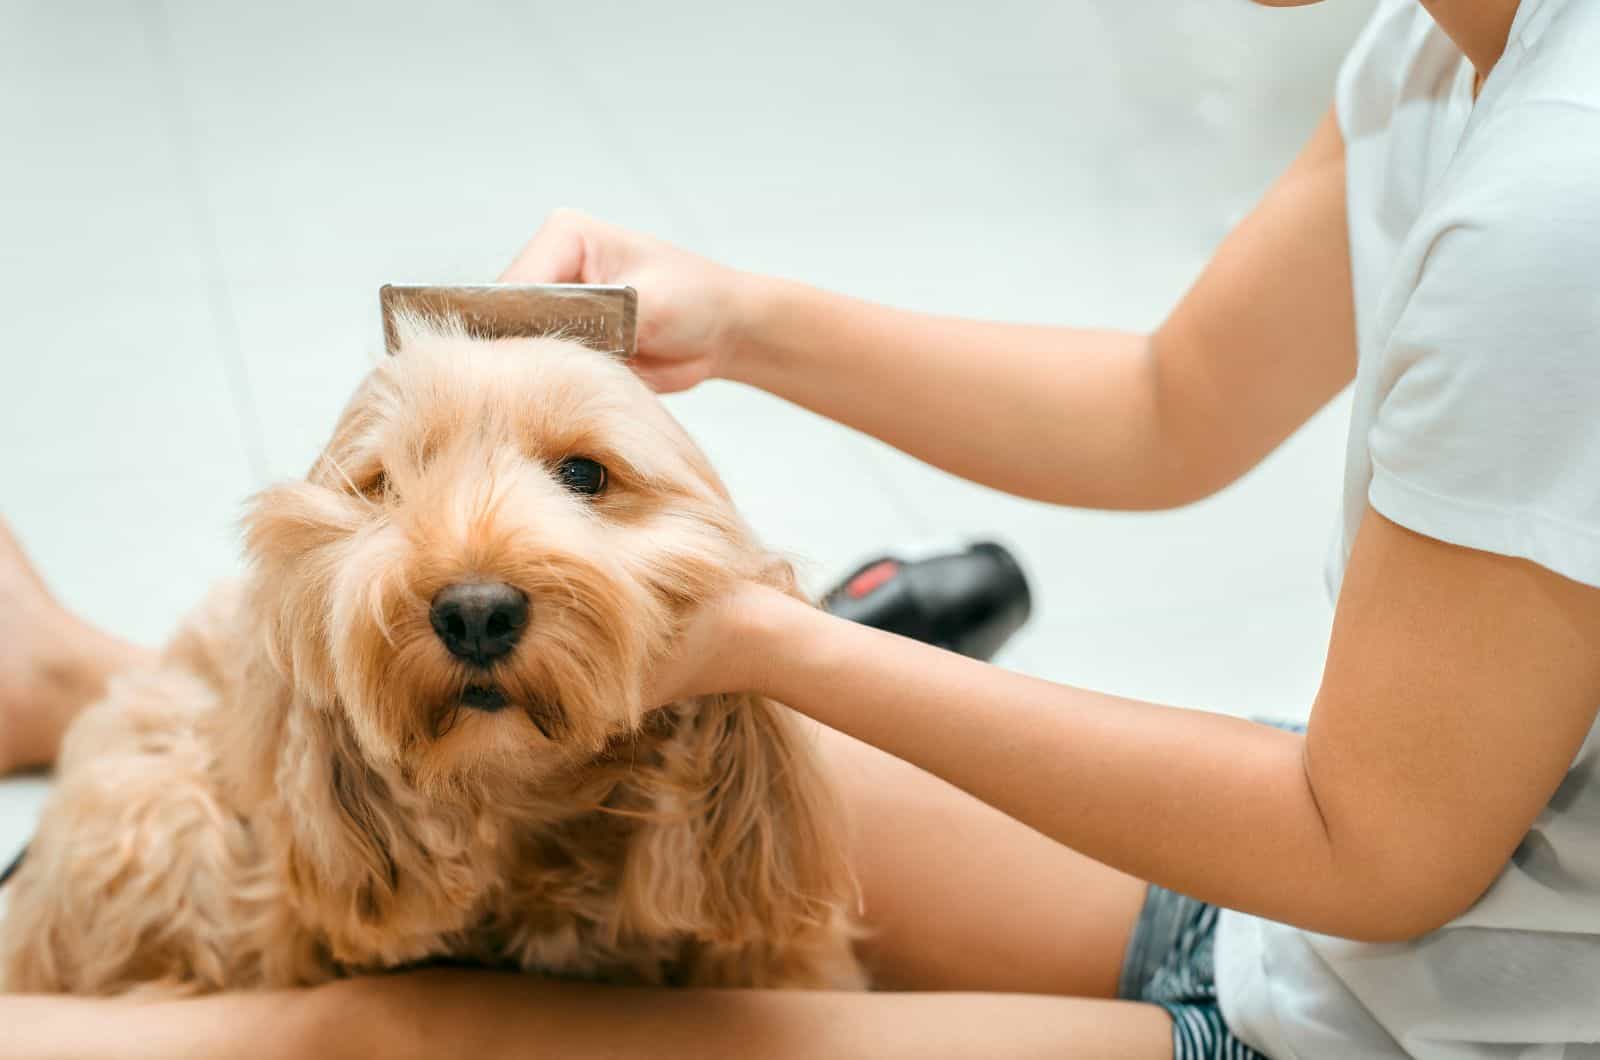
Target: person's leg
(52,663)
(959,896)
(489,1016)
(484,1016)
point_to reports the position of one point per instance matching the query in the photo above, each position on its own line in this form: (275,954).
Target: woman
(1412,876)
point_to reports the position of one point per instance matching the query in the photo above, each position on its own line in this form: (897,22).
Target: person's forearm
(483,1015)
(1053,413)
(473,1015)
(1212,806)
(248,1026)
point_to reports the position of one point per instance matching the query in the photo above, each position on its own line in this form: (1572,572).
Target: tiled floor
(200,200)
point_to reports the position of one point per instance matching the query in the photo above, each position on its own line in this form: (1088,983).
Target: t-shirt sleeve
(1488,431)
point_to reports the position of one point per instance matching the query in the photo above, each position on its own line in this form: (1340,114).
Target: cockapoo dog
(416,732)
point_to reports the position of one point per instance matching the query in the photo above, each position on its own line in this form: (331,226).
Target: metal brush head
(602,317)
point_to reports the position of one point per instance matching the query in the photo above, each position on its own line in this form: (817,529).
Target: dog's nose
(479,621)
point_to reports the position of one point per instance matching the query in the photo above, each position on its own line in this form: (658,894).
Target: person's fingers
(661,376)
(550,257)
(554,255)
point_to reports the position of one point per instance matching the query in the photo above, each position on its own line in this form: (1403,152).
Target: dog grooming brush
(602,317)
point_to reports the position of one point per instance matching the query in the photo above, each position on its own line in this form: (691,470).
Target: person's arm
(259,1025)
(1087,418)
(1099,419)
(461,1014)
(1458,688)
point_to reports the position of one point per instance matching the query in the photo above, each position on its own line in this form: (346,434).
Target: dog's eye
(376,486)
(582,475)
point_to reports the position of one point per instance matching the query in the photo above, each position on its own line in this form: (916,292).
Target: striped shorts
(1169,963)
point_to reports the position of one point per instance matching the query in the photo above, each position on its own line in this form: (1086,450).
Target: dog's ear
(280,635)
(285,522)
(332,829)
(773,841)
(745,850)
(768,840)
(289,531)
(366,860)
(338,834)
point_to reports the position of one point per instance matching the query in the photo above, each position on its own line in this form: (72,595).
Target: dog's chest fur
(539,881)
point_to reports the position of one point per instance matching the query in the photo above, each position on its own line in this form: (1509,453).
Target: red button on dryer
(871,578)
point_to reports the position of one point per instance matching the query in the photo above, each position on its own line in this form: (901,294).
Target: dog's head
(484,561)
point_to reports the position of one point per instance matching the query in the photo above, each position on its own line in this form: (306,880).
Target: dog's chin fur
(299,791)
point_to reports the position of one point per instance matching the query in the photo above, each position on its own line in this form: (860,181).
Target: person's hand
(690,309)
(725,646)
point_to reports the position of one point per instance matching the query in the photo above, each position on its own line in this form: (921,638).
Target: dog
(415,731)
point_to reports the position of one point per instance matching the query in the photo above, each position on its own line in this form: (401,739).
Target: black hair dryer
(970,601)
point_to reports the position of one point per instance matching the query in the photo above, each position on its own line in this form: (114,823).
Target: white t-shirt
(1475,247)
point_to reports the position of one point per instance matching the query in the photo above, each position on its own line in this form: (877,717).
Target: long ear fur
(364,860)
(327,819)
(773,843)
(370,871)
(747,852)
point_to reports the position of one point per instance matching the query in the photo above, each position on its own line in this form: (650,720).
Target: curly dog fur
(299,791)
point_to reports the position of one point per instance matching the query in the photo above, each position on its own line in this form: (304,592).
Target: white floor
(199,202)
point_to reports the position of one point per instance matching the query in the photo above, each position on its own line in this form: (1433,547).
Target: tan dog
(416,732)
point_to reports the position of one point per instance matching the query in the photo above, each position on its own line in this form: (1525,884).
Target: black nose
(479,621)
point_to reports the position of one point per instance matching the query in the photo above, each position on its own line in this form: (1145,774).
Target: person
(1049,871)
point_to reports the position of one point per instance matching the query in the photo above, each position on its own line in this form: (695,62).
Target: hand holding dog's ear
(690,309)
(719,649)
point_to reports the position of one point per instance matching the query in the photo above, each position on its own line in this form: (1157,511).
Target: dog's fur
(297,793)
